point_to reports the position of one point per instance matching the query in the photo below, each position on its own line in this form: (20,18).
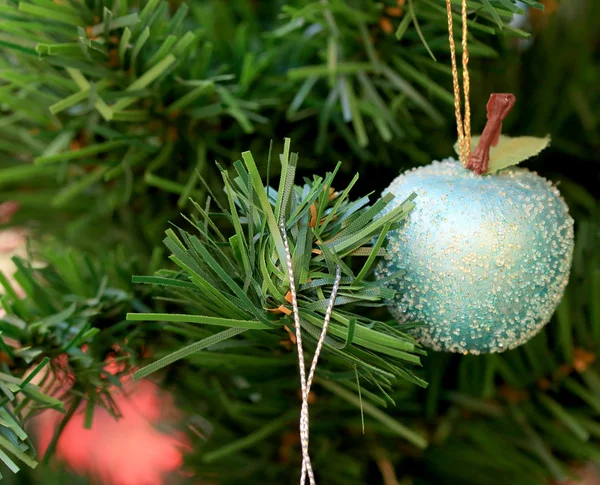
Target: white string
(305,383)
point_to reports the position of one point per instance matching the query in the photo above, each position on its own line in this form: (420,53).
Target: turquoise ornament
(487,258)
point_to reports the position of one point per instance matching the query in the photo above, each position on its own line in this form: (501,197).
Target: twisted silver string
(334,290)
(305,383)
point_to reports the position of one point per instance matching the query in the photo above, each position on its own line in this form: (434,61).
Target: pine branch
(55,339)
(130,100)
(110,89)
(243,284)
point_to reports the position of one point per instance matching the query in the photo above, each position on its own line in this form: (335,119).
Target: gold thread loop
(463,128)
(466,82)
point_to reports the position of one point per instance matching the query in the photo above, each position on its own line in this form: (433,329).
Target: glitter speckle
(487,258)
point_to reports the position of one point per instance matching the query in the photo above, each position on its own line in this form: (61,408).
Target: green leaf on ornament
(512,151)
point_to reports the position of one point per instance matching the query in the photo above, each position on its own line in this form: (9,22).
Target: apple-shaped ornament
(487,250)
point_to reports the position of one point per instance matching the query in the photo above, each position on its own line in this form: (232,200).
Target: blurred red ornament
(586,475)
(12,243)
(7,210)
(125,451)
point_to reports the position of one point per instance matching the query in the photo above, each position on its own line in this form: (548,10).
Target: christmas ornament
(487,258)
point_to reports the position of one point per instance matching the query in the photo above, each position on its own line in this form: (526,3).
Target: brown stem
(497,108)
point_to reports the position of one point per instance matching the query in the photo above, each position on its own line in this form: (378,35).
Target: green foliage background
(105,133)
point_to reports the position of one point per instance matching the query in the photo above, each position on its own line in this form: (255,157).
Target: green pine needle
(212,275)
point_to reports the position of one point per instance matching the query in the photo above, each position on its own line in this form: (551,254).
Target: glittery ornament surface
(487,258)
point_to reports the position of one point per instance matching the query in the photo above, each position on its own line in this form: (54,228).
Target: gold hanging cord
(463,128)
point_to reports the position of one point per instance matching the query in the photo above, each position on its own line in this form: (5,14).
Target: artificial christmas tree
(113,116)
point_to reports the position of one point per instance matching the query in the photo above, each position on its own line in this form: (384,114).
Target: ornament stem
(497,108)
